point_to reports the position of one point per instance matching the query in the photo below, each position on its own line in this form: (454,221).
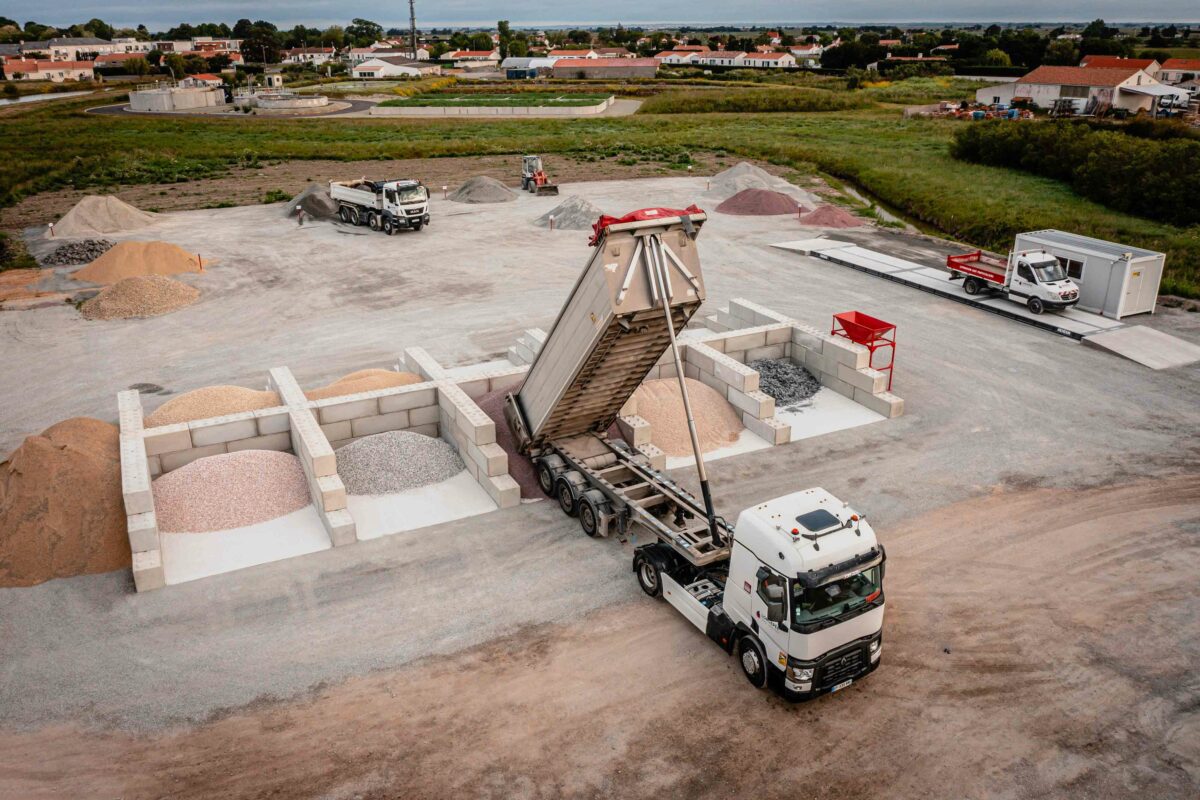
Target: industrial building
(602,68)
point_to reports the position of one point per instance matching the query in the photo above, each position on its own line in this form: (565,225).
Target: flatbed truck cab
(799,600)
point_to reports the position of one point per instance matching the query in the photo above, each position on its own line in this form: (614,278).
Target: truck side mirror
(775,612)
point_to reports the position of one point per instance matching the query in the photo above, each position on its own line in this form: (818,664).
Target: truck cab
(1039,280)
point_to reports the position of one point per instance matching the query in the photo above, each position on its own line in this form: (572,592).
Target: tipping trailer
(796,587)
(1033,278)
(387,206)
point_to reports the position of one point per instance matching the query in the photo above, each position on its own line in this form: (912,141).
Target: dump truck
(533,177)
(1033,278)
(795,587)
(388,206)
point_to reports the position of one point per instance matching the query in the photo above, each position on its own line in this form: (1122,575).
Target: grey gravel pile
(395,462)
(84,251)
(573,214)
(315,201)
(785,380)
(482,189)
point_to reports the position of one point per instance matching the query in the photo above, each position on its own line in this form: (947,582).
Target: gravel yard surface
(230,490)
(395,461)
(785,380)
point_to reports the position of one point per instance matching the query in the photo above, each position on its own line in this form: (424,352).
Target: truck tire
(547,470)
(355,217)
(416,226)
(753,659)
(373,220)
(592,506)
(344,214)
(1036,305)
(388,227)
(564,493)
(649,574)
(971,286)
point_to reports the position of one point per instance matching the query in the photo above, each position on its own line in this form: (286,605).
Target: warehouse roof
(1079,76)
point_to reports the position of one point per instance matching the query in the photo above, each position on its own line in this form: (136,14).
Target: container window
(1074,269)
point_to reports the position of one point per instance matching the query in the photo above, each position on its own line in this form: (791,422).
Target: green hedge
(752,101)
(1153,178)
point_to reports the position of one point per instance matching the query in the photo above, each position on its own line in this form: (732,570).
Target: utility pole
(412,27)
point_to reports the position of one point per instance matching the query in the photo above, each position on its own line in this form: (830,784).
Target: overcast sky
(162,14)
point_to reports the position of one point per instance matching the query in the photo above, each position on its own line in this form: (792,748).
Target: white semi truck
(795,588)
(387,206)
(1033,278)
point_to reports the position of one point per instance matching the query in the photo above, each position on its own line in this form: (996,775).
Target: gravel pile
(759,203)
(395,462)
(717,422)
(364,380)
(482,189)
(230,490)
(785,380)
(831,217)
(80,252)
(315,201)
(211,401)
(101,214)
(146,296)
(131,259)
(573,214)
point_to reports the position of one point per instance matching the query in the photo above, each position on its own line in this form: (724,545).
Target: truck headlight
(798,675)
(875,649)
(875,645)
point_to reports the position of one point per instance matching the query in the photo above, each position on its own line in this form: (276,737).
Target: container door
(1133,290)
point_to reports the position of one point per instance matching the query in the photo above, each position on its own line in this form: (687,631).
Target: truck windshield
(834,598)
(1049,272)
(412,194)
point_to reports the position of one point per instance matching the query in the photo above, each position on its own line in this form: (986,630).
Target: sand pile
(144,296)
(396,461)
(101,214)
(61,512)
(80,252)
(759,203)
(211,401)
(230,490)
(315,201)
(364,380)
(573,214)
(831,217)
(131,259)
(519,466)
(482,189)
(788,382)
(659,403)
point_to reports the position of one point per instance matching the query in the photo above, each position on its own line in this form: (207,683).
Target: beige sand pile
(717,422)
(364,380)
(211,401)
(101,214)
(144,296)
(230,490)
(132,259)
(61,512)
(831,217)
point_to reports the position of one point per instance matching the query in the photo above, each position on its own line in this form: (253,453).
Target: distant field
(536,99)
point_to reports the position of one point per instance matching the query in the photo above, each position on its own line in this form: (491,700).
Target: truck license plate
(841,685)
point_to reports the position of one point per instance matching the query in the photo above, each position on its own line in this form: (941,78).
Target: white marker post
(444,188)
(551,222)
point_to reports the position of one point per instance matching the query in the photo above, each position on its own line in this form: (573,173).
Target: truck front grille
(845,666)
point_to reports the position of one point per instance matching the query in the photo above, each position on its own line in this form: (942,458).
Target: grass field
(904,163)
(531,99)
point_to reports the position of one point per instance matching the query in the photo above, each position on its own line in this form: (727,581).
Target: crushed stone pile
(831,217)
(519,466)
(659,402)
(97,214)
(759,203)
(364,380)
(395,462)
(211,401)
(482,189)
(572,214)
(230,490)
(315,201)
(132,259)
(788,382)
(80,252)
(744,175)
(61,512)
(144,296)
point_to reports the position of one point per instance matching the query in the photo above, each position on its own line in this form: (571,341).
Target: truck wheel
(1036,306)
(355,218)
(753,661)
(590,509)
(649,575)
(373,221)
(416,227)
(344,214)
(971,286)
(564,492)
(388,227)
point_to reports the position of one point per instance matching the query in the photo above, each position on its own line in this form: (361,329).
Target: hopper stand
(872,333)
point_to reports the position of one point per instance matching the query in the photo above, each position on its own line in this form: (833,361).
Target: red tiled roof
(578,52)
(1184,64)
(31,65)
(204,76)
(606,62)
(1113,62)
(1078,76)
(765,56)
(471,53)
(691,48)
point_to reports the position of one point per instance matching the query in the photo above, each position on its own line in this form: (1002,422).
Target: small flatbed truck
(387,206)
(1033,278)
(795,589)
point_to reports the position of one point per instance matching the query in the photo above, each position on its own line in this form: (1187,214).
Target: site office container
(1116,280)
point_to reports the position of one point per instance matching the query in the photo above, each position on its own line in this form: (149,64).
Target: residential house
(719,58)
(613,52)
(1147,65)
(473,58)
(808,55)
(32,69)
(676,57)
(202,81)
(769,60)
(1090,88)
(569,53)
(308,55)
(1179,70)
(115,59)
(394,67)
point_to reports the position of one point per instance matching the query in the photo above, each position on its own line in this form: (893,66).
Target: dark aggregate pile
(83,251)
(315,201)
(785,380)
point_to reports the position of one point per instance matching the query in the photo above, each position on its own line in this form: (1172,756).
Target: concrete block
(426,430)
(656,457)
(837,384)
(129,412)
(728,321)
(173,461)
(770,430)
(491,458)
(744,341)
(846,352)
(403,401)
(366,426)
(281,441)
(712,380)
(691,371)
(736,374)
(475,388)
(478,431)
(701,356)
(756,403)
(808,337)
(148,571)
(760,315)
(884,403)
(167,439)
(470,462)
(868,379)
(425,365)
(423,416)
(818,364)
(219,430)
(344,410)
(310,444)
(143,532)
(780,335)
(332,493)
(338,430)
(737,355)
(135,476)
(668,371)
(289,390)
(716,343)
(272,421)
(338,443)
(503,489)
(468,417)
(154,464)
(340,527)
(770,352)
(506,383)
(634,430)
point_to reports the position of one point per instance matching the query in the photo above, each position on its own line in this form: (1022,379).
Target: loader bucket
(547,189)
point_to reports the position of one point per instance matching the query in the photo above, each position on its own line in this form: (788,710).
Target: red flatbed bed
(979,264)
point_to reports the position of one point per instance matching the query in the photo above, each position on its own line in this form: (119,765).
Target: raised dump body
(612,329)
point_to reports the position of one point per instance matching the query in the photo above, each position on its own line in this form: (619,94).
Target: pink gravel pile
(519,466)
(230,490)
(759,203)
(831,217)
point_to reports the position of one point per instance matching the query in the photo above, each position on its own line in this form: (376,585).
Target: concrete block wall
(140,521)
(473,434)
(401,408)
